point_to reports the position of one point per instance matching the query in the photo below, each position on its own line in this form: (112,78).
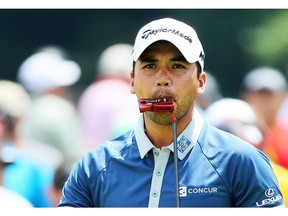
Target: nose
(163,82)
(163,78)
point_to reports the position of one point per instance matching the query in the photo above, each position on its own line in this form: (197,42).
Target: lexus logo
(269,192)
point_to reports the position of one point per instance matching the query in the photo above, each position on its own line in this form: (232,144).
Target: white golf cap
(265,78)
(237,117)
(183,36)
(115,61)
(46,70)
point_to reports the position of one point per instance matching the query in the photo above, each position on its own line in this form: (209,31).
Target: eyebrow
(179,58)
(148,59)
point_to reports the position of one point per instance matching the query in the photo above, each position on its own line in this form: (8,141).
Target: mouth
(163,95)
(163,104)
(165,99)
(160,100)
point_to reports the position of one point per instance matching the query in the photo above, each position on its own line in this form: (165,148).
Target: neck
(162,135)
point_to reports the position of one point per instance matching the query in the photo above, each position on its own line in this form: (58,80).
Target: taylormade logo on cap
(165,30)
(178,33)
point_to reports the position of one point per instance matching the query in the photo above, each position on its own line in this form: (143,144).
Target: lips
(163,93)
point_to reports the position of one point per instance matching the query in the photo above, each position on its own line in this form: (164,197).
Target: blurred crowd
(45,129)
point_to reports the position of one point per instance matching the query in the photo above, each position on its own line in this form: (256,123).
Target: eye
(150,66)
(178,66)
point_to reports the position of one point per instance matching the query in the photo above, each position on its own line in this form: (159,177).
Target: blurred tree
(267,42)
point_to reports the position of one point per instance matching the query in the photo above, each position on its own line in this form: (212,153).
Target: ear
(132,91)
(201,83)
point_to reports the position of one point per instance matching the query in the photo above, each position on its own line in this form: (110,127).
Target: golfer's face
(162,71)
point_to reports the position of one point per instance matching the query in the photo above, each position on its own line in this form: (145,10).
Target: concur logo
(183,190)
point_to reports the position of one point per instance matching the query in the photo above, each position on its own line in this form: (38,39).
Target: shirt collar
(185,141)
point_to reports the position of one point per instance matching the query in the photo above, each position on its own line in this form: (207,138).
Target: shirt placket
(161,157)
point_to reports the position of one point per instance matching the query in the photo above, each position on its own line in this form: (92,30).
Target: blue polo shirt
(216,169)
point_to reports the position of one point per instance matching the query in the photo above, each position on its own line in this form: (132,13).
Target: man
(137,169)
(264,84)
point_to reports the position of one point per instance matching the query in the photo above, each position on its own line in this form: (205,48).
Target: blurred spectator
(211,94)
(19,173)
(106,107)
(237,117)
(48,76)
(33,170)
(8,198)
(265,89)
(16,101)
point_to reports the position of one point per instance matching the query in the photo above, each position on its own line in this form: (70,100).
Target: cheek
(186,91)
(139,86)
(192,86)
(189,91)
